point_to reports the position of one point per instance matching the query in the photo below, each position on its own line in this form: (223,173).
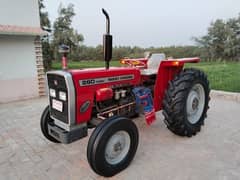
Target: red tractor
(107,98)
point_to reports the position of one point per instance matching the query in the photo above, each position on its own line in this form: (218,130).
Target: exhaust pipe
(107,41)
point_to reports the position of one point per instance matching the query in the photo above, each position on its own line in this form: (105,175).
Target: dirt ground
(212,154)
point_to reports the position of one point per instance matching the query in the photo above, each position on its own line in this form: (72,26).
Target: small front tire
(45,119)
(112,146)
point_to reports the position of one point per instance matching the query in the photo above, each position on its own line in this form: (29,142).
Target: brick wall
(40,68)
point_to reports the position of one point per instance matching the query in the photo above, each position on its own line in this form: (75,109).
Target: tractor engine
(114,101)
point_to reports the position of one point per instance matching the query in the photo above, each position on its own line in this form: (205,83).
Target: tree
(222,40)
(64,33)
(45,25)
(44,20)
(232,44)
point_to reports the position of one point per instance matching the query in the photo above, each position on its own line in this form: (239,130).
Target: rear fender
(168,69)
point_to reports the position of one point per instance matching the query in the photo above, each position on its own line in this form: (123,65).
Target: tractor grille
(58,83)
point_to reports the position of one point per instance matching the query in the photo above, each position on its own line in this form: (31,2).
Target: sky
(146,23)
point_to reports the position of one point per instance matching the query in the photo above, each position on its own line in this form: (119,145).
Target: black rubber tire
(45,119)
(98,141)
(174,103)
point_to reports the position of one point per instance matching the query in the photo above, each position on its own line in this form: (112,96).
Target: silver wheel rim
(117,147)
(195,103)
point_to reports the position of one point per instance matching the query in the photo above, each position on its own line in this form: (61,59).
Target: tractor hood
(101,76)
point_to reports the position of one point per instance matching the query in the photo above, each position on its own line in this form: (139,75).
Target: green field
(222,76)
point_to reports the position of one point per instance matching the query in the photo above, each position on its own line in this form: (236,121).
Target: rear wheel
(45,119)
(186,101)
(112,146)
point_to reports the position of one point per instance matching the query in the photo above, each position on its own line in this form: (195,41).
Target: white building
(21,68)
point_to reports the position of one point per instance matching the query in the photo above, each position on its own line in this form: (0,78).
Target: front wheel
(112,146)
(186,101)
(45,119)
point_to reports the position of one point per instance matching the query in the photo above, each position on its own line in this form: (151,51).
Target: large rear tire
(112,146)
(186,101)
(45,119)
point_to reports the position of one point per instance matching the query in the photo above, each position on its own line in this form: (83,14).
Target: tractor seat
(153,64)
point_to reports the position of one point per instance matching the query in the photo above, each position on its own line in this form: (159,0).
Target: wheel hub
(195,103)
(117,147)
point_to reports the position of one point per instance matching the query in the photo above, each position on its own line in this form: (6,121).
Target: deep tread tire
(174,103)
(45,119)
(98,142)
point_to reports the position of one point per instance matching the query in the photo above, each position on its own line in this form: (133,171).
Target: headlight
(62,96)
(52,92)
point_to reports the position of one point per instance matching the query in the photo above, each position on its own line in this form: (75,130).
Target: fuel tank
(88,81)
